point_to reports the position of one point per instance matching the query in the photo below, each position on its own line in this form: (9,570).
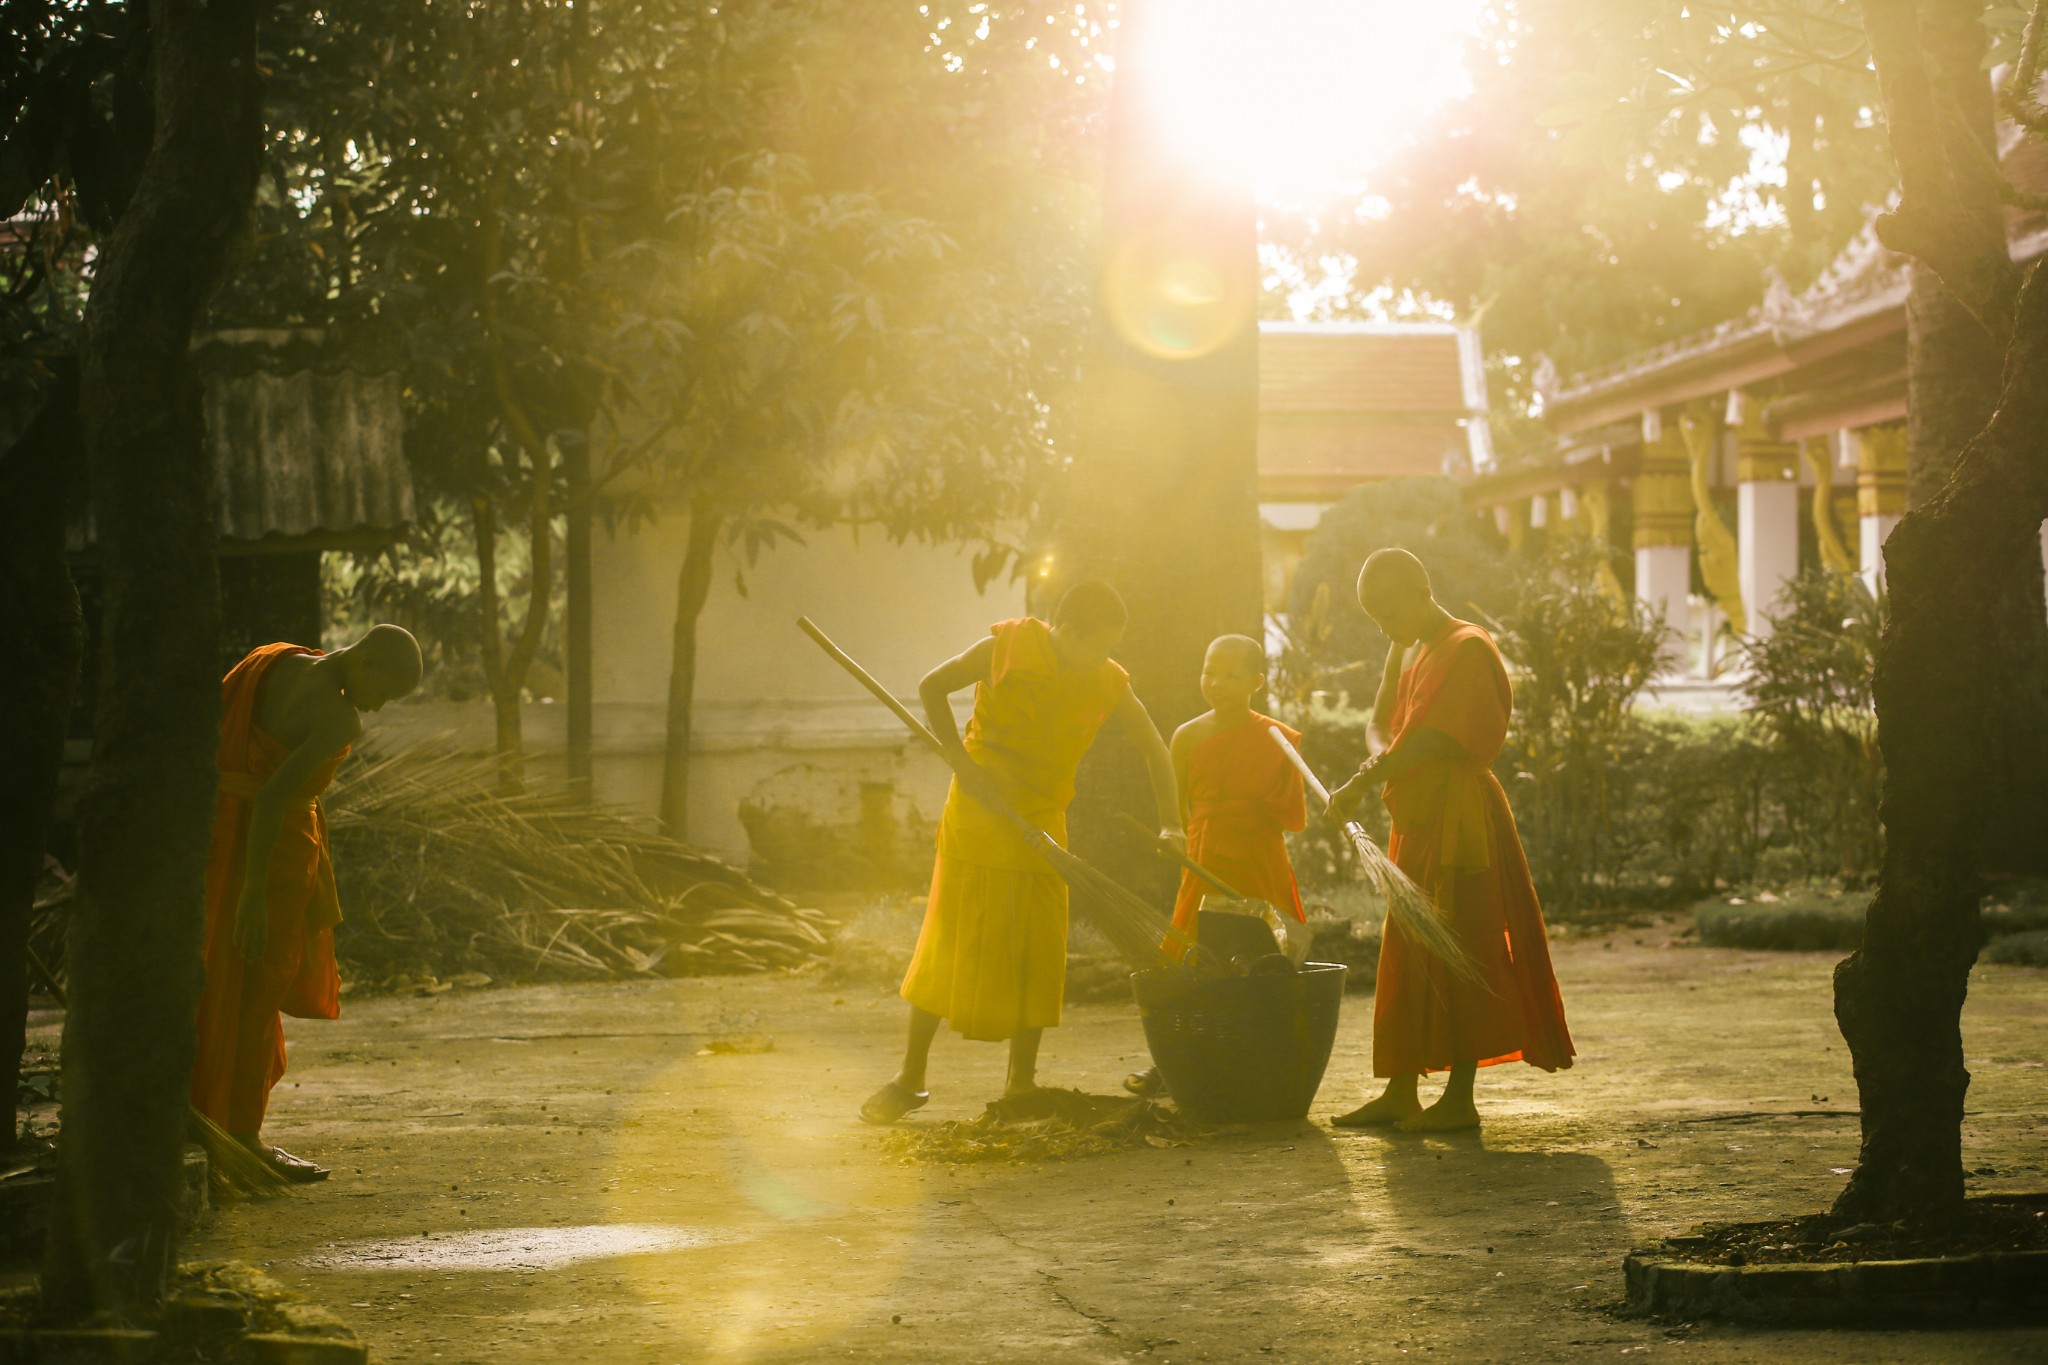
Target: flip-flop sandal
(1146,1084)
(891,1103)
(296,1169)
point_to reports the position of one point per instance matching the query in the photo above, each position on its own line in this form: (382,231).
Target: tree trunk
(504,690)
(145,821)
(1899,997)
(1952,382)
(576,612)
(41,486)
(1163,499)
(693,586)
(1953,566)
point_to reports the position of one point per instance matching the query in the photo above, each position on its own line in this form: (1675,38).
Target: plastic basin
(1242,1049)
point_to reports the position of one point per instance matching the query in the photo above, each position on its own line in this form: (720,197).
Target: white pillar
(1767,547)
(1876,528)
(1664,582)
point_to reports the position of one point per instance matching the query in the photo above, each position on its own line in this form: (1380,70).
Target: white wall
(769,702)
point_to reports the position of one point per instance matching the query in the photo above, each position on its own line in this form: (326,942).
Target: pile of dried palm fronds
(441,872)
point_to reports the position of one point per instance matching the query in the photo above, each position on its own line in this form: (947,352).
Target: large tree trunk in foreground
(1899,997)
(1952,565)
(693,588)
(144,823)
(1954,367)
(1163,500)
(42,634)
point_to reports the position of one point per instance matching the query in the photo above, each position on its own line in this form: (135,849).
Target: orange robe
(1243,795)
(241,1037)
(1453,833)
(991,958)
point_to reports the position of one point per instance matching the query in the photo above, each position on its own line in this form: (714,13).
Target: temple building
(1730,459)
(1347,403)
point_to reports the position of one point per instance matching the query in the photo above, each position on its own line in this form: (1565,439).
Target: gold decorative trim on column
(1881,470)
(1719,564)
(1597,514)
(1761,457)
(1663,507)
(1820,458)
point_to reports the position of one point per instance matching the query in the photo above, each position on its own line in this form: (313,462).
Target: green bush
(1804,925)
(1809,691)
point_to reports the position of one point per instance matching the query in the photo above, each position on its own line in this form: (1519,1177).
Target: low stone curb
(1982,1289)
(245,1318)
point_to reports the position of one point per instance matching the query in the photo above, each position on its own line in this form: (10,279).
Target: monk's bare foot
(1017,1090)
(296,1169)
(1445,1116)
(1384,1112)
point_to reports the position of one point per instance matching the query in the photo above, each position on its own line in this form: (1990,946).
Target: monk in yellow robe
(991,958)
(1438,722)
(289,716)
(1239,795)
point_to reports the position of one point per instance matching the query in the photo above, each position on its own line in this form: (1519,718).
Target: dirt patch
(1049,1125)
(1986,1226)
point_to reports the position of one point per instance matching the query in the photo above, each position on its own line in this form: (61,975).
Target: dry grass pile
(1048,1125)
(442,874)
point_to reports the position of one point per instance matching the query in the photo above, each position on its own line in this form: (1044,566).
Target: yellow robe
(991,958)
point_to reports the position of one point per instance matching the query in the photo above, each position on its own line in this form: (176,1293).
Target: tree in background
(779,265)
(1610,182)
(1161,499)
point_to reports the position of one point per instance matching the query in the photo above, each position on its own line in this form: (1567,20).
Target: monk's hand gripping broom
(1140,935)
(1408,905)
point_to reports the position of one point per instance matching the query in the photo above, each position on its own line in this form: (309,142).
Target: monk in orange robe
(1239,795)
(991,958)
(289,715)
(1438,722)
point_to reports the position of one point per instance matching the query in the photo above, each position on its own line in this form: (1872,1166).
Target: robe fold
(1243,796)
(1455,836)
(991,957)
(241,1036)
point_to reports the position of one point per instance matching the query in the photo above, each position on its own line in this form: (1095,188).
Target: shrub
(1809,690)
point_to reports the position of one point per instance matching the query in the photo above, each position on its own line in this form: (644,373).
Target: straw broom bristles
(1409,907)
(1139,933)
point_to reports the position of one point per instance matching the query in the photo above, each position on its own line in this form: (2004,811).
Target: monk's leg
(906,1091)
(1453,1110)
(917,1050)
(1024,1061)
(1396,1103)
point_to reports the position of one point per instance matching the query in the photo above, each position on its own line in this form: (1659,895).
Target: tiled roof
(1344,403)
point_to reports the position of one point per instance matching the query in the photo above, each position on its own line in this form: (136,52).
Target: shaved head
(1241,650)
(384,664)
(1395,572)
(1393,588)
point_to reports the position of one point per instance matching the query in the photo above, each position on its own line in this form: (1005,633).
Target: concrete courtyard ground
(567,1174)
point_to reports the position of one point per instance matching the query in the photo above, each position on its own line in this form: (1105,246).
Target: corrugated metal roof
(307,453)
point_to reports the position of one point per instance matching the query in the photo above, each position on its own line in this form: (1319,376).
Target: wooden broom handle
(1308,775)
(867,680)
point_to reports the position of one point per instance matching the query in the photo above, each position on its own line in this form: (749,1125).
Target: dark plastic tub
(1242,1049)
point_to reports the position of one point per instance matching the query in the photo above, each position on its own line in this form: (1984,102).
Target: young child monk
(991,958)
(1239,794)
(1437,723)
(289,714)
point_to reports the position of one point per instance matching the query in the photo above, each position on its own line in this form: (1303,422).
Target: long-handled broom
(1408,905)
(1140,934)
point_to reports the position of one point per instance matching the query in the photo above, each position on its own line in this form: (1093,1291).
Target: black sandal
(891,1103)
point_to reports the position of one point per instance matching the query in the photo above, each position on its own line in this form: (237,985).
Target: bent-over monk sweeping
(289,715)
(1437,724)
